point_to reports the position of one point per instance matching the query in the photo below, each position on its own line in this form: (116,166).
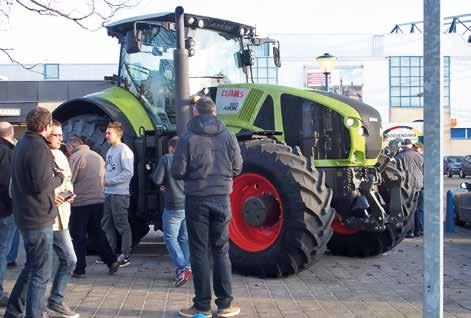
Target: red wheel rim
(341,229)
(245,236)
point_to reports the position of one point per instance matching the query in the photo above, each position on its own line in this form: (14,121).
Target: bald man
(7,222)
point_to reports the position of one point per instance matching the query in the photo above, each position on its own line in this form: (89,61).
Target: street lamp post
(327,66)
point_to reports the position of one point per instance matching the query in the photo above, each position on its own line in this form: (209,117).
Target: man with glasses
(34,178)
(62,242)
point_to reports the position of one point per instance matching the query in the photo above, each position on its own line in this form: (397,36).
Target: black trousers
(207,220)
(85,223)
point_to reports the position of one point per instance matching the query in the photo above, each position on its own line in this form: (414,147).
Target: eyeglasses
(56,135)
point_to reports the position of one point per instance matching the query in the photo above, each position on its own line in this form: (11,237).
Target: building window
(51,71)
(264,70)
(406,81)
(460,133)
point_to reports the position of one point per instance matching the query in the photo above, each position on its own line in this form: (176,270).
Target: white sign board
(412,131)
(10,112)
(229,101)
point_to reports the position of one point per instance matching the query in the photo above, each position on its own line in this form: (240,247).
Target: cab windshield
(150,74)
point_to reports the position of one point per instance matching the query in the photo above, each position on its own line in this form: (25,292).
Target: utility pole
(433,182)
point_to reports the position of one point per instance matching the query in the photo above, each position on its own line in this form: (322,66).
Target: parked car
(465,167)
(452,165)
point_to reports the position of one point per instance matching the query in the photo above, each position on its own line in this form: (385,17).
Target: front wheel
(281,212)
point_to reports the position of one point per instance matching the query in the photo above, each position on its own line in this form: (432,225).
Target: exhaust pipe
(182,83)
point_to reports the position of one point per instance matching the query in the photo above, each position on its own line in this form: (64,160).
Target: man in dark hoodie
(207,158)
(34,178)
(7,223)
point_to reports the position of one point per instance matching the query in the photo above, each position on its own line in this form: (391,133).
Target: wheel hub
(260,210)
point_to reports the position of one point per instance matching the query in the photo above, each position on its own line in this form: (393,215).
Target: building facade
(384,71)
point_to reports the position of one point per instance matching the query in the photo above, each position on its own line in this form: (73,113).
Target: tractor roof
(122,26)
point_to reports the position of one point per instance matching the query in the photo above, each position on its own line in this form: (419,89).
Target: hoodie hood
(206,125)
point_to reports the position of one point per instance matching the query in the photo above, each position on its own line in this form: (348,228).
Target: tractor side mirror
(276,56)
(133,41)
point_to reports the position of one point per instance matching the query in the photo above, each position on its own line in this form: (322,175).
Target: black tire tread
(307,229)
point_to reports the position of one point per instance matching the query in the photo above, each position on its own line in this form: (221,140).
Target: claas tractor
(313,177)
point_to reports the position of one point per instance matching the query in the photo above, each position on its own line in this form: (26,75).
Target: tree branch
(29,68)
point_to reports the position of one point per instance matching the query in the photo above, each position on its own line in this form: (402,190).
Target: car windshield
(455,159)
(150,73)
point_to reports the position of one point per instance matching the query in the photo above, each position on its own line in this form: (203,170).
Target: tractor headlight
(242,31)
(191,20)
(200,23)
(350,122)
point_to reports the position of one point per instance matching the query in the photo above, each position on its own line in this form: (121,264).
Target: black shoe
(78,275)
(123,260)
(3,301)
(114,268)
(61,310)
(11,265)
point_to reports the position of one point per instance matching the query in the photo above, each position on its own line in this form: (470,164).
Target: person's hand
(163,188)
(71,199)
(58,200)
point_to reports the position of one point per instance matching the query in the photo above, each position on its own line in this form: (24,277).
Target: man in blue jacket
(207,158)
(34,178)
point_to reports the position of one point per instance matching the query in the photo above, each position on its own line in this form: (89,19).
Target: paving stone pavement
(389,285)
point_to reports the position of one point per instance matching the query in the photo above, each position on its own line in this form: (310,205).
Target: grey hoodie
(207,157)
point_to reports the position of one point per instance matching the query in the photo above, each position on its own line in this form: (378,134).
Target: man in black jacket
(207,158)
(7,223)
(34,178)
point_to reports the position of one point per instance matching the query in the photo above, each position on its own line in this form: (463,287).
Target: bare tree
(88,14)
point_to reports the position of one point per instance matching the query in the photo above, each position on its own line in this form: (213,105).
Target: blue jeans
(176,238)
(13,254)
(65,252)
(7,231)
(29,292)
(208,221)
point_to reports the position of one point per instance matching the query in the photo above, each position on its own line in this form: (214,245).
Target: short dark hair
(56,123)
(117,126)
(77,139)
(38,119)
(205,105)
(173,142)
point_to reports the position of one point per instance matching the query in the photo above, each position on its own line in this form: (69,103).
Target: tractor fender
(115,103)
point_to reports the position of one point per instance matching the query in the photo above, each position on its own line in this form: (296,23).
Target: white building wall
(67,72)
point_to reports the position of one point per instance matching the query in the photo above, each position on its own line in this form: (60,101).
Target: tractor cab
(219,53)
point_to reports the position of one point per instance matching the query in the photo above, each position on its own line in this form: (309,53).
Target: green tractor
(311,177)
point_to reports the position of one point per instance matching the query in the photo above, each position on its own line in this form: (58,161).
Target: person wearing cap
(207,157)
(413,164)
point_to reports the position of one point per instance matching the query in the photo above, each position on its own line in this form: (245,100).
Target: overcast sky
(42,39)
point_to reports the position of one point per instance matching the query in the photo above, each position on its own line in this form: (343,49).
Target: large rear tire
(298,223)
(357,243)
(92,128)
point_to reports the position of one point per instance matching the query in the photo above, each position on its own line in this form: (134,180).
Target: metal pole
(433,182)
(182,85)
(326,81)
